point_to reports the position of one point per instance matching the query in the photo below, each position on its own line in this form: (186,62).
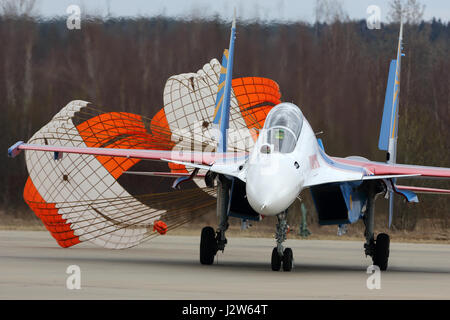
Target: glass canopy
(282,128)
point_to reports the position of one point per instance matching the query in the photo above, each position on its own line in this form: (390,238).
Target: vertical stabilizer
(389,124)
(383,142)
(221,89)
(222,110)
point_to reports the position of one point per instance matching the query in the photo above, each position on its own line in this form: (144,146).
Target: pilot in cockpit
(282,128)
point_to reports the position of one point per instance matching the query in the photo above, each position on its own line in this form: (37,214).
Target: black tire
(381,255)
(276,260)
(208,246)
(288,259)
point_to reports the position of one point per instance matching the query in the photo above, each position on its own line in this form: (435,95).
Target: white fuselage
(275,179)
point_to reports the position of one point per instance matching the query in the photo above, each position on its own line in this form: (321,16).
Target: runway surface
(33,266)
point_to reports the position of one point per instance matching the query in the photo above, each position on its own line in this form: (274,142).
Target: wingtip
(14,150)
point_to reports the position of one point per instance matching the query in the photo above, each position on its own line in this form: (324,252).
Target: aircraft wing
(164,174)
(225,163)
(206,158)
(334,169)
(381,168)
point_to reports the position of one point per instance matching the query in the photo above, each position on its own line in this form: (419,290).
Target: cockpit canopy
(282,128)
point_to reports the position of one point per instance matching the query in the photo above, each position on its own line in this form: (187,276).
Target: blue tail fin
(221,89)
(383,142)
(389,124)
(222,110)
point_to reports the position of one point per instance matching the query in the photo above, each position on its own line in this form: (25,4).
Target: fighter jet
(274,165)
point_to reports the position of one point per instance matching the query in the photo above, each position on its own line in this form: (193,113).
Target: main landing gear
(208,246)
(279,254)
(211,242)
(377,249)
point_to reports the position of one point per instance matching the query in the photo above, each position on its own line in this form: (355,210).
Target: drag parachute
(89,198)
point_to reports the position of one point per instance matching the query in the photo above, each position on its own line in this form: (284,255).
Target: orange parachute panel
(256,97)
(177,168)
(48,213)
(119,130)
(123,130)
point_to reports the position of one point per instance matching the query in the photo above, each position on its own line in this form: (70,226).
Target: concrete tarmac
(33,266)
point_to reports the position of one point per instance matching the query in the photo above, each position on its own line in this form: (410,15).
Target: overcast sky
(281,10)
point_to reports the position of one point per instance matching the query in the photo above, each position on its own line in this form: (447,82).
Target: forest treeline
(335,72)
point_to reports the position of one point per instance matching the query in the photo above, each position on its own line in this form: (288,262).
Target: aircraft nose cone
(271,192)
(266,200)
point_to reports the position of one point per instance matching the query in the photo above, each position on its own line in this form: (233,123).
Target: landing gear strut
(223,198)
(377,249)
(279,254)
(211,241)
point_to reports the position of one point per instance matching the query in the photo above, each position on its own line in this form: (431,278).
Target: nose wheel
(276,260)
(287,260)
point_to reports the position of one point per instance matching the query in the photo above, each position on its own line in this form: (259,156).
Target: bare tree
(410,10)
(329,11)
(18,7)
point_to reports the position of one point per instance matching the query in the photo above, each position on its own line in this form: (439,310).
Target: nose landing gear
(279,254)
